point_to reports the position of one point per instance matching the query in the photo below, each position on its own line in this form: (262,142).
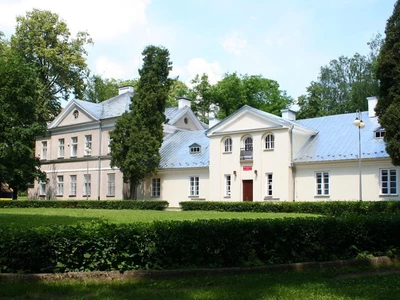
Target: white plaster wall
(344,180)
(69,119)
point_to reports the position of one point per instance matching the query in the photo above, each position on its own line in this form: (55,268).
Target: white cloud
(111,69)
(232,43)
(200,66)
(103,20)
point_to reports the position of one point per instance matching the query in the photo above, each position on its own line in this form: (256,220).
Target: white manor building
(249,156)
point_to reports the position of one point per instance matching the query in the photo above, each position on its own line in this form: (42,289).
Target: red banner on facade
(247,168)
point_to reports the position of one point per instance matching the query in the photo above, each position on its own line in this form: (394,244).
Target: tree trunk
(132,190)
(15,193)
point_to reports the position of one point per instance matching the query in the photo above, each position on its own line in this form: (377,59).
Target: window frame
(88,145)
(388,182)
(269,181)
(74,146)
(195,149)
(61,148)
(43,154)
(110,185)
(227,185)
(60,185)
(320,187)
(42,187)
(72,185)
(156,187)
(247,146)
(269,142)
(194,186)
(228,143)
(87,185)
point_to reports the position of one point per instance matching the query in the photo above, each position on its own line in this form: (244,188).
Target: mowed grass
(325,284)
(37,217)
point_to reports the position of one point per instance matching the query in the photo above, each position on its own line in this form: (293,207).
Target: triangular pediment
(184,118)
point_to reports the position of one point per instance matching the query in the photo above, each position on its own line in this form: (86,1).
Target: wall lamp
(234,173)
(255,172)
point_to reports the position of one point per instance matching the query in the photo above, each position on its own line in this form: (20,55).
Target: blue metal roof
(175,151)
(337,139)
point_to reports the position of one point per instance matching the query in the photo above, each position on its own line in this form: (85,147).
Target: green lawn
(327,284)
(35,217)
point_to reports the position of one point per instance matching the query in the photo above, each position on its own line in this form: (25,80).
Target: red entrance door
(247,190)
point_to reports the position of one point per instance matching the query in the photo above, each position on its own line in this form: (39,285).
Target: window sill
(73,156)
(61,157)
(268,150)
(388,195)
(227,197)
(85,196)
(59,195)
(155,196)
(72,196)
(227,152)
(322,196)
(270,198)
(193,196)
(109,196)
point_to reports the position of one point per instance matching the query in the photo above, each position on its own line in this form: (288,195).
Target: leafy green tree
(19,122)
(201,96)
(138,134)
(177,89)
(234,91)
(45,42)
(388,73)
(99,89)
(343,85)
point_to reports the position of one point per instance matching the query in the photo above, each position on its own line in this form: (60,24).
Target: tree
(201,95)
(44,41)
(234,91)
(19,122)
(177,89)
(99,89)
(388,73)
(343,85)
(138,134)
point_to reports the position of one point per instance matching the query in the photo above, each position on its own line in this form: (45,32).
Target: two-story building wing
(249,156)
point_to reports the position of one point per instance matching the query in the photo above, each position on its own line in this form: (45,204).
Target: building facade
(249,156)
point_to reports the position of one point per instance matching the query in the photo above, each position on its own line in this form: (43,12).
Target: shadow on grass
(272,285)
(36,220)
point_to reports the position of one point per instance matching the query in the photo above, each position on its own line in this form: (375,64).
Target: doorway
(247,190)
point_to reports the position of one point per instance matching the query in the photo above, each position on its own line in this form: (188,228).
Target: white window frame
(74,146)
(387,183)
(61,147)
(228,185)
(228,145)
(269,141)
(87,184)
(322,188)
(195,149)
(380,133)
(111,184)
(42,188)
(156,187)
(268,184)
(88,145)
(194,186)
(248,146)
(72,185)
(44,150)
(60,185)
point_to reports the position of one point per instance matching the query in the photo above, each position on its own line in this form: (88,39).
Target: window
(228,145)
(194,148)
(72,185)
(74,146)
(155,187)
(44,150)
(42,188)
(194,186)
(88,144)
(322,183)
(388,182)
(380,133)
(60,185)
(270,141)
(61,143)
(111,184)
(248,144)
(268,179)
(86,184)
(76,114)
(227,185)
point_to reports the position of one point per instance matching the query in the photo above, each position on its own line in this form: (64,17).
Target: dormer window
(380,133)
(195,148)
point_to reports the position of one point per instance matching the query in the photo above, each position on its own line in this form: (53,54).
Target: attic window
(185,120)
(76,114)
(195,148)
(380,133)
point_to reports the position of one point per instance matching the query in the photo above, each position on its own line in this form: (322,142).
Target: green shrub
(90,204)
(329,208)
(198,244)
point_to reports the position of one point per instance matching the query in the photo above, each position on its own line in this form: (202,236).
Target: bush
(198,244)
(329,208)
(90,204)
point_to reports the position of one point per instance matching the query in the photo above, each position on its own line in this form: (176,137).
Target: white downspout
(99,171)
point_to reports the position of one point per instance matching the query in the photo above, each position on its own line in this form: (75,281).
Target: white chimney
(125,89)
(182,102)
(372,101)
(288,114)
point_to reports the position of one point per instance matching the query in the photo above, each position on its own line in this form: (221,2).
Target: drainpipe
(99,171)
(292,164)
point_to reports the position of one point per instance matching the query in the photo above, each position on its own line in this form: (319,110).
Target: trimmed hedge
(329,208)
(90,204)
(198,244)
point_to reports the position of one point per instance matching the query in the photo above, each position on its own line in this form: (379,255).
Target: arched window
(228,145)
(248,144)
(270,141)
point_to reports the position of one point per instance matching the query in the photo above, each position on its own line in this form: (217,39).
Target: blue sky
(287,40)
